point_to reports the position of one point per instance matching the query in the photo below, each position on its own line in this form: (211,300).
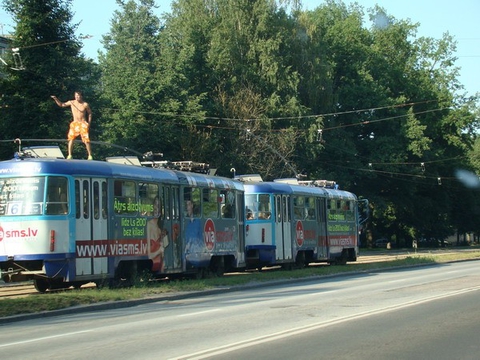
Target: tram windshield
(27,196)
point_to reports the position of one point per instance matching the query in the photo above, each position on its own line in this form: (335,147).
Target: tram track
(26,289)
(18,290)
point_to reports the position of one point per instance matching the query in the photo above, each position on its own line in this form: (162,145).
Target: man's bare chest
(80,107)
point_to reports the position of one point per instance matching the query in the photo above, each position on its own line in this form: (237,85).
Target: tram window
(22,196)
(86,199)
(310,208)
(332,205)
(250,201)
(161,201)
(210,203)
(286,209)
(167,203)
(148,194)
(96,200)
(258,206)
(57,196)
(228,204)
(278,206)
(77,199)
(349,212)
(264,207)
(145,204)
(321,209)
(191,197)
(125,198)
(104,200)
(175,195)
(299,207)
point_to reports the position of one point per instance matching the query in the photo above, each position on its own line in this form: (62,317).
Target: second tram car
(292,224)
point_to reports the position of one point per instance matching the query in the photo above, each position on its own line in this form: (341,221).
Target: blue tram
(294,224)
(70,222)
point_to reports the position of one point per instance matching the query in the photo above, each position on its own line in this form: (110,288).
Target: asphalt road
(419,313)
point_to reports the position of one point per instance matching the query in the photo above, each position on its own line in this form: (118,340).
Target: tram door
(240,216)
(91,226)
(283,233)
(171,216)
(322,228)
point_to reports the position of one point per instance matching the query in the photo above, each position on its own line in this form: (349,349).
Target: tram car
(70,222)
(292,223)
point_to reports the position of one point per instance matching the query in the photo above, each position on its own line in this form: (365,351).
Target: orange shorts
(79,128)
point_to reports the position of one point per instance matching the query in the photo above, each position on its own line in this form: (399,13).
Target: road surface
(419,313)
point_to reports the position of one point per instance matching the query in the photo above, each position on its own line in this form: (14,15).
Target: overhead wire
(298,117)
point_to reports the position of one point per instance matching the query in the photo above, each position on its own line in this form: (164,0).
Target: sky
(435,17)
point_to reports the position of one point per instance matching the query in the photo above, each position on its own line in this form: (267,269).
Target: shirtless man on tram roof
(82,118)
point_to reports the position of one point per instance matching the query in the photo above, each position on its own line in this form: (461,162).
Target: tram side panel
(124,227)
(211,226)
(311,242)
(144,230)
(164,228)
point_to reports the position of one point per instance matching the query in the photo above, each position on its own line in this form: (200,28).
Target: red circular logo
(209,234)
(299,233)
(1,233)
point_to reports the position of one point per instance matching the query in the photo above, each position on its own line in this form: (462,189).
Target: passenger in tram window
(250,214)
(227,211)
(298,211)
(311,214)
(264,215)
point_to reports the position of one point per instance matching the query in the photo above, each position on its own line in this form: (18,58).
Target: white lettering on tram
(102,249)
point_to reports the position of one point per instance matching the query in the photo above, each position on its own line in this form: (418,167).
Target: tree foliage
(53,65)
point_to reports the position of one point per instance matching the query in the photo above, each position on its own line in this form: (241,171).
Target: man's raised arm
(59,103)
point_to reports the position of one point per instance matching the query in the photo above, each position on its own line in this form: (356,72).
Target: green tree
(145,97)
(389,107)
(53,64)
(241,63)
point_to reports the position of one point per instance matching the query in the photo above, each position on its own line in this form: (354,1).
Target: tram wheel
(300,260)
(41,285)
(200,273)
(342,259)
(125,275)
(217,268)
